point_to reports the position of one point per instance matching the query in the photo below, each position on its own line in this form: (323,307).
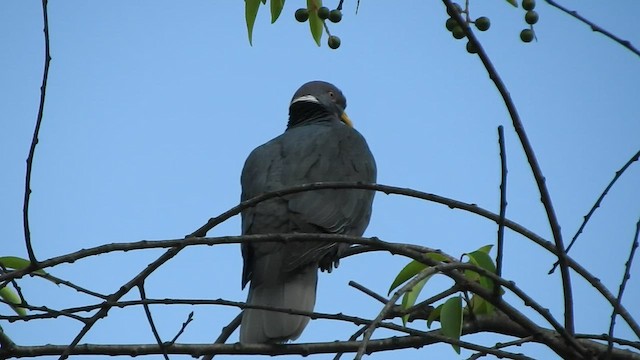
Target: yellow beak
(345,119)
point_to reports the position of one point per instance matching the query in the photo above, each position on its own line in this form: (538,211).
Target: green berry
(302,15)
(451,23)
(457,6)
(333,42)
(531,17)
(483,23)
(528,4)
(471,48)
(335,16)
(457,32)
(323,13)
(526,35)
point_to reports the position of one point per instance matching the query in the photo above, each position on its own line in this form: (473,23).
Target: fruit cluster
(530,17)
(482,23)
(335,16)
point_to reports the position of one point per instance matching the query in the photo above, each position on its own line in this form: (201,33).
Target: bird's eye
(332,94)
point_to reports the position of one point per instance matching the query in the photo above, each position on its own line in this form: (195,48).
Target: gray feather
(317,146)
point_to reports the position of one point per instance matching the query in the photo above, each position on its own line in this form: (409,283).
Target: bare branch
(34,140)
(545,196)
(369,292)
(147,312)
(594,27)
(182,328)
(596,205)
(623,283)
(503,204)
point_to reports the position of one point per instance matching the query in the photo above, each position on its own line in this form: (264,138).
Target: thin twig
(226,332)
(623,283)
(545,196)
(168,255)
(503,205)
(34,140)
(596,205)
(412,310)
(56,280)
(154,330)
(182,328)
(594,27)
(429,271)
(517,342)
(369,292)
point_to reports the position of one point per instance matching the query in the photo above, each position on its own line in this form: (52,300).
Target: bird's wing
(301,155)
(328,153)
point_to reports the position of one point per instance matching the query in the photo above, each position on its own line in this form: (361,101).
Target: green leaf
(486,249)
(483,260)
(481,306)
(412,269)
(7,294)
(409,298)
(451,319)
(17,263)
(434,315)
(250,12)
(276,9)
(315,24)
(409,271)
(513,2)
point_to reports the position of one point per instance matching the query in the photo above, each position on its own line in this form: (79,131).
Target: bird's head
(317,101)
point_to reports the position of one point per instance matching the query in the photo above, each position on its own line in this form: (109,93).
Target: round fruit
(451,23)
(483,23)
(333,42)
(457,6)
(457,32)
(528,4)
(323,13)
(302,14)
(531,17)
(526,35)
(335,16)
(471,48)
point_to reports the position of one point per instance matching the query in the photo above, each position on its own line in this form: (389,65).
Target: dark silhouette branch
(182,328)
(138,279)
(545,196)
(623,283)
(78,288)
(596,205)
(369,292)
(594,27)
(34,140)
(147,312)
(503,203)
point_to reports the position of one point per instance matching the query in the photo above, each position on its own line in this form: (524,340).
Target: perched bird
(319,144)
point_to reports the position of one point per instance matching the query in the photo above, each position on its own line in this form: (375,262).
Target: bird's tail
(297,292)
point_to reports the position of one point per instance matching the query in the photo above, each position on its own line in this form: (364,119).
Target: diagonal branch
(594,27)
(545,196)
(596,205)
(147,312)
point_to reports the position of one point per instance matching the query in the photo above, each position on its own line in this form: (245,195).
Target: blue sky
(152,108)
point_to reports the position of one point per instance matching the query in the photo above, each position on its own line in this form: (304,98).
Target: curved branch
(545,196)
(34,140)
(451,203)
(594,27)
